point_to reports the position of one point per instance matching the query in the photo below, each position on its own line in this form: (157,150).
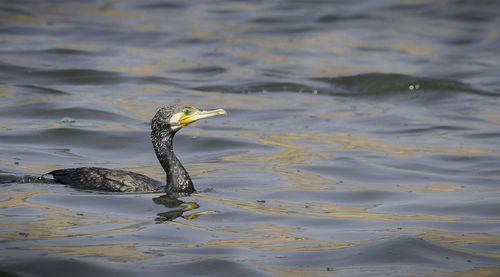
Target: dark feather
(106,179)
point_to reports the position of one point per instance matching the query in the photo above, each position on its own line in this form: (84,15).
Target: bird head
(175,116)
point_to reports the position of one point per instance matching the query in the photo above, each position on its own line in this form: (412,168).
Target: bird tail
(7,179)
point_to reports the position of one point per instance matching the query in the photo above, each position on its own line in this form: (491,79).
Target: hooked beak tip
(221,112)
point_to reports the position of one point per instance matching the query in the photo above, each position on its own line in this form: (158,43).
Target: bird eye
(186,112)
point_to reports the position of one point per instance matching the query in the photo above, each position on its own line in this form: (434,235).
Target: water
(361,137)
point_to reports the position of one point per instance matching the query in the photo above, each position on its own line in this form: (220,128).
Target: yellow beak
(192,115)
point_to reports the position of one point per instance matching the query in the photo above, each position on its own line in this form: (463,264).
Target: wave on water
(369,85)
(375,84)
(398,252)
(61,76)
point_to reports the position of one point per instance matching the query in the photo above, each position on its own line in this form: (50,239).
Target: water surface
(361,137)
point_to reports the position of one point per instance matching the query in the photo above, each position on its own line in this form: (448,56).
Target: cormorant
(166,122)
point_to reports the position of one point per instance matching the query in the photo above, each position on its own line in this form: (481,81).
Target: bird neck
(178,180)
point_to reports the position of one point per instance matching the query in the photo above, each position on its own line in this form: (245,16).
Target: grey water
(362,137)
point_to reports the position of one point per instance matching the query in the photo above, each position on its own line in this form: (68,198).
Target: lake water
(362,137)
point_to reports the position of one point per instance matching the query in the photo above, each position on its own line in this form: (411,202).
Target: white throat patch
(174,121)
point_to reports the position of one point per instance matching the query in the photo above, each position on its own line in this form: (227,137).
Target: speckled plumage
(106,179)
(162,133)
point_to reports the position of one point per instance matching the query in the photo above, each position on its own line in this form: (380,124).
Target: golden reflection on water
(456,239)
(270,237)
(294,153)
(23,19)
(325,210)
(10,97)
(120,253)
(16,61)
(477,272)
(14,39)
(7,92)
(30,100)
(295,272)
(261,235)
(146,63)
(55,220)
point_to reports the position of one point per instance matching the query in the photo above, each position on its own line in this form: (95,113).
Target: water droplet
(67,120)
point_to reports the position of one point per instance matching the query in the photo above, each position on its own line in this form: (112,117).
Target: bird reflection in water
(179,208)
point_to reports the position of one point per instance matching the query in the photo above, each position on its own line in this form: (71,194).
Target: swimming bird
(164,125)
